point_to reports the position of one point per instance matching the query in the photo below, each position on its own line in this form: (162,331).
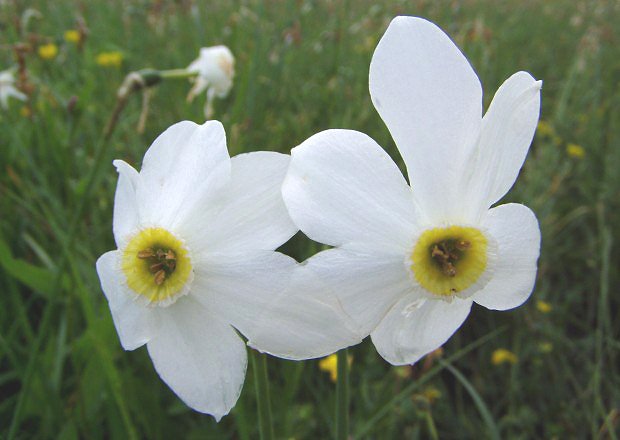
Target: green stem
(261,384)
(342,396)
(405,393)
(177,73)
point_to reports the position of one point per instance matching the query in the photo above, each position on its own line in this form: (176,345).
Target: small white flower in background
(216,69)
(410,260)
(196,233)
(8,90)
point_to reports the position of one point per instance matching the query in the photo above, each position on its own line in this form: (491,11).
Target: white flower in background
(216,68)
(196,233)
(410,260)
(8,90)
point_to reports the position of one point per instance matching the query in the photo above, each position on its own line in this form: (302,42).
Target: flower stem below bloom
(177,74)
(261,384)
(342,396)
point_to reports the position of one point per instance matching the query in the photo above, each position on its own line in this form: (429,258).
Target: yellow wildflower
(501,356)
(72,36)
(109,59)
(48,51)
(25,111)
(431,394)
(329,364)
(576,151)
(403,371)
(545,129)
(545,347)
(543,306)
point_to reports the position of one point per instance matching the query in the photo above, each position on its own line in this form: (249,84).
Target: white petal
(202,359)
(516,230)
(135,323)
(249,214)
(196,65)
(12,91)
(161,156)
(431,101)
(278,305)
(342,187)
(507,131)
(416,326)
(208,107)
(304,321)
(200,85)
(186,166)
(126,215)
(367,284)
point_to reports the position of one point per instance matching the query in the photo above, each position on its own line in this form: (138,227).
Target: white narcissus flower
(8,90)
(410,260)
(196,233)
(216,69)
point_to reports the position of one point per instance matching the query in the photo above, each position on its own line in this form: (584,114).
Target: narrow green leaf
(487,417)
(38,279)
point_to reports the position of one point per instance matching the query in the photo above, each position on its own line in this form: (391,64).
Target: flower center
(157,265)
(446,261)
(162,262)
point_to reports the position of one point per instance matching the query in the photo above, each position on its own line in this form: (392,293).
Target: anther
(453,256)
(160,276)
(448,269)
(438,253)
(146,253)
(154,268)
(170,255)
(462,245)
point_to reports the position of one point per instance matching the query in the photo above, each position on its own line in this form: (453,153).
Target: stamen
(437,253)
(162,263)
(160,276)
(146,253)
(462,245)
(156,267)
(449,269)
(446,253)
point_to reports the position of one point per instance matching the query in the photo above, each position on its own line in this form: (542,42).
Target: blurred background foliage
(549,369)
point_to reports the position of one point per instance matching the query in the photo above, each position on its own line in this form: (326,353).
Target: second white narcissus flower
(196,233)
(216,69)
(8,89)
(410,260)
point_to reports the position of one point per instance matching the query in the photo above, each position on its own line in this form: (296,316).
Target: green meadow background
(302,67)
